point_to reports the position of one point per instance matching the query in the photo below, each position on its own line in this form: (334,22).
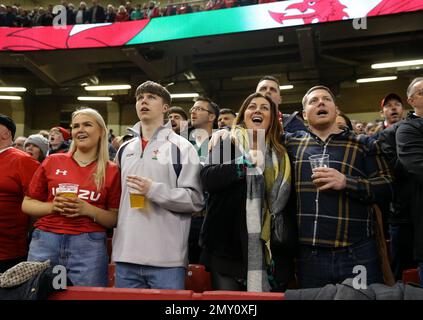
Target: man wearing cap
(59,140)
(399,212)
(36,146)
(396,212)
(179,120)
(409,141)
(392,109)
(16,169)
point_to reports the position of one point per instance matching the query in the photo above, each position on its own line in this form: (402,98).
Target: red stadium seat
(111,276)
(96,293)
(109,248)
(410,276)
(238,295)
(197,278)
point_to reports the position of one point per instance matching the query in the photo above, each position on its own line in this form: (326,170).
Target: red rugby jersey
(62,168)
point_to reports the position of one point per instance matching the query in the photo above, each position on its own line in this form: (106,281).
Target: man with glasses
(204,115)
(409,143)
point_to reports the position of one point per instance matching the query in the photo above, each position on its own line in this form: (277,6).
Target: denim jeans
(318,267)
(129,275)
(83,255)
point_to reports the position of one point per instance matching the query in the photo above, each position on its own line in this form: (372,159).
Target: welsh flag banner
(200,24)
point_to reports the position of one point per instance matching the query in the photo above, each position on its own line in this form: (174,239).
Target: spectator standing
(226,118)
(334,206)
(121,15)
(204,114)
(82,14)
(36,146)
(137,14)
(19,143)
(58,140)
(269,86)
(150,241)
(72,231)
(16,169)
(409,140)
(152,11)
(392,109)
(248,179)
(96,13)
(179,120)
(110,13)
(70,13)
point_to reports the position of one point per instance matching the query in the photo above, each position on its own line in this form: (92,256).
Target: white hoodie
(158,234)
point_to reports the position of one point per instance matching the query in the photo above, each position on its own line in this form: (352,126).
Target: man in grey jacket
(150,245)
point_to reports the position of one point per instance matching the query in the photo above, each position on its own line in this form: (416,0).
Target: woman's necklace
(84,163)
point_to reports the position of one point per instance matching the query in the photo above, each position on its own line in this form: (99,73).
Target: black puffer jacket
(409,139)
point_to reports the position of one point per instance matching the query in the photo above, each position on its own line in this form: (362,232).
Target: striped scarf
(267,194)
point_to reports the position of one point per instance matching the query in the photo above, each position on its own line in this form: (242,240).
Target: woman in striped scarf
(248,179)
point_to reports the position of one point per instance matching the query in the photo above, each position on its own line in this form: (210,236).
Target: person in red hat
(58,140)
(392,109)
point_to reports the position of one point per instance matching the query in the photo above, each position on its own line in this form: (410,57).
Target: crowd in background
(17,16)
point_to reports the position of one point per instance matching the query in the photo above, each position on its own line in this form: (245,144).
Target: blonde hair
(99,175)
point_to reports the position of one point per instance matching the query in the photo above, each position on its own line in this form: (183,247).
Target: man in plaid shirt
(334,204)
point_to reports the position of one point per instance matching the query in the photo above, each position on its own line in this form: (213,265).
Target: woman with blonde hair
(72,231)
(248,179)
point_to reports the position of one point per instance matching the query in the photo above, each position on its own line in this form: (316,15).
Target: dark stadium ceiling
(228,66)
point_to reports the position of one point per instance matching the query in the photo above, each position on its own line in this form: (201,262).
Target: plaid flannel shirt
(333,218)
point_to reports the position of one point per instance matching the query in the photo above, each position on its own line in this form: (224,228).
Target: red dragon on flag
(313,11)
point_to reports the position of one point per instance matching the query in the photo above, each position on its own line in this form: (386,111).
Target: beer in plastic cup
(137,200)
(319,161)
(68,190)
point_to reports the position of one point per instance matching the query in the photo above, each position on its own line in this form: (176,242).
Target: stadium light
(396,64)
(94,98)
(363,80)
(184,95)
(108,87)
(10,98)
(12,89)
(286,87)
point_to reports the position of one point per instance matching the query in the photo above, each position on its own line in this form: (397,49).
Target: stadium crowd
(16,16)
(176,191)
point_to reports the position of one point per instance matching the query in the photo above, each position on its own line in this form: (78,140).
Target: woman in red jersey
(72,231)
